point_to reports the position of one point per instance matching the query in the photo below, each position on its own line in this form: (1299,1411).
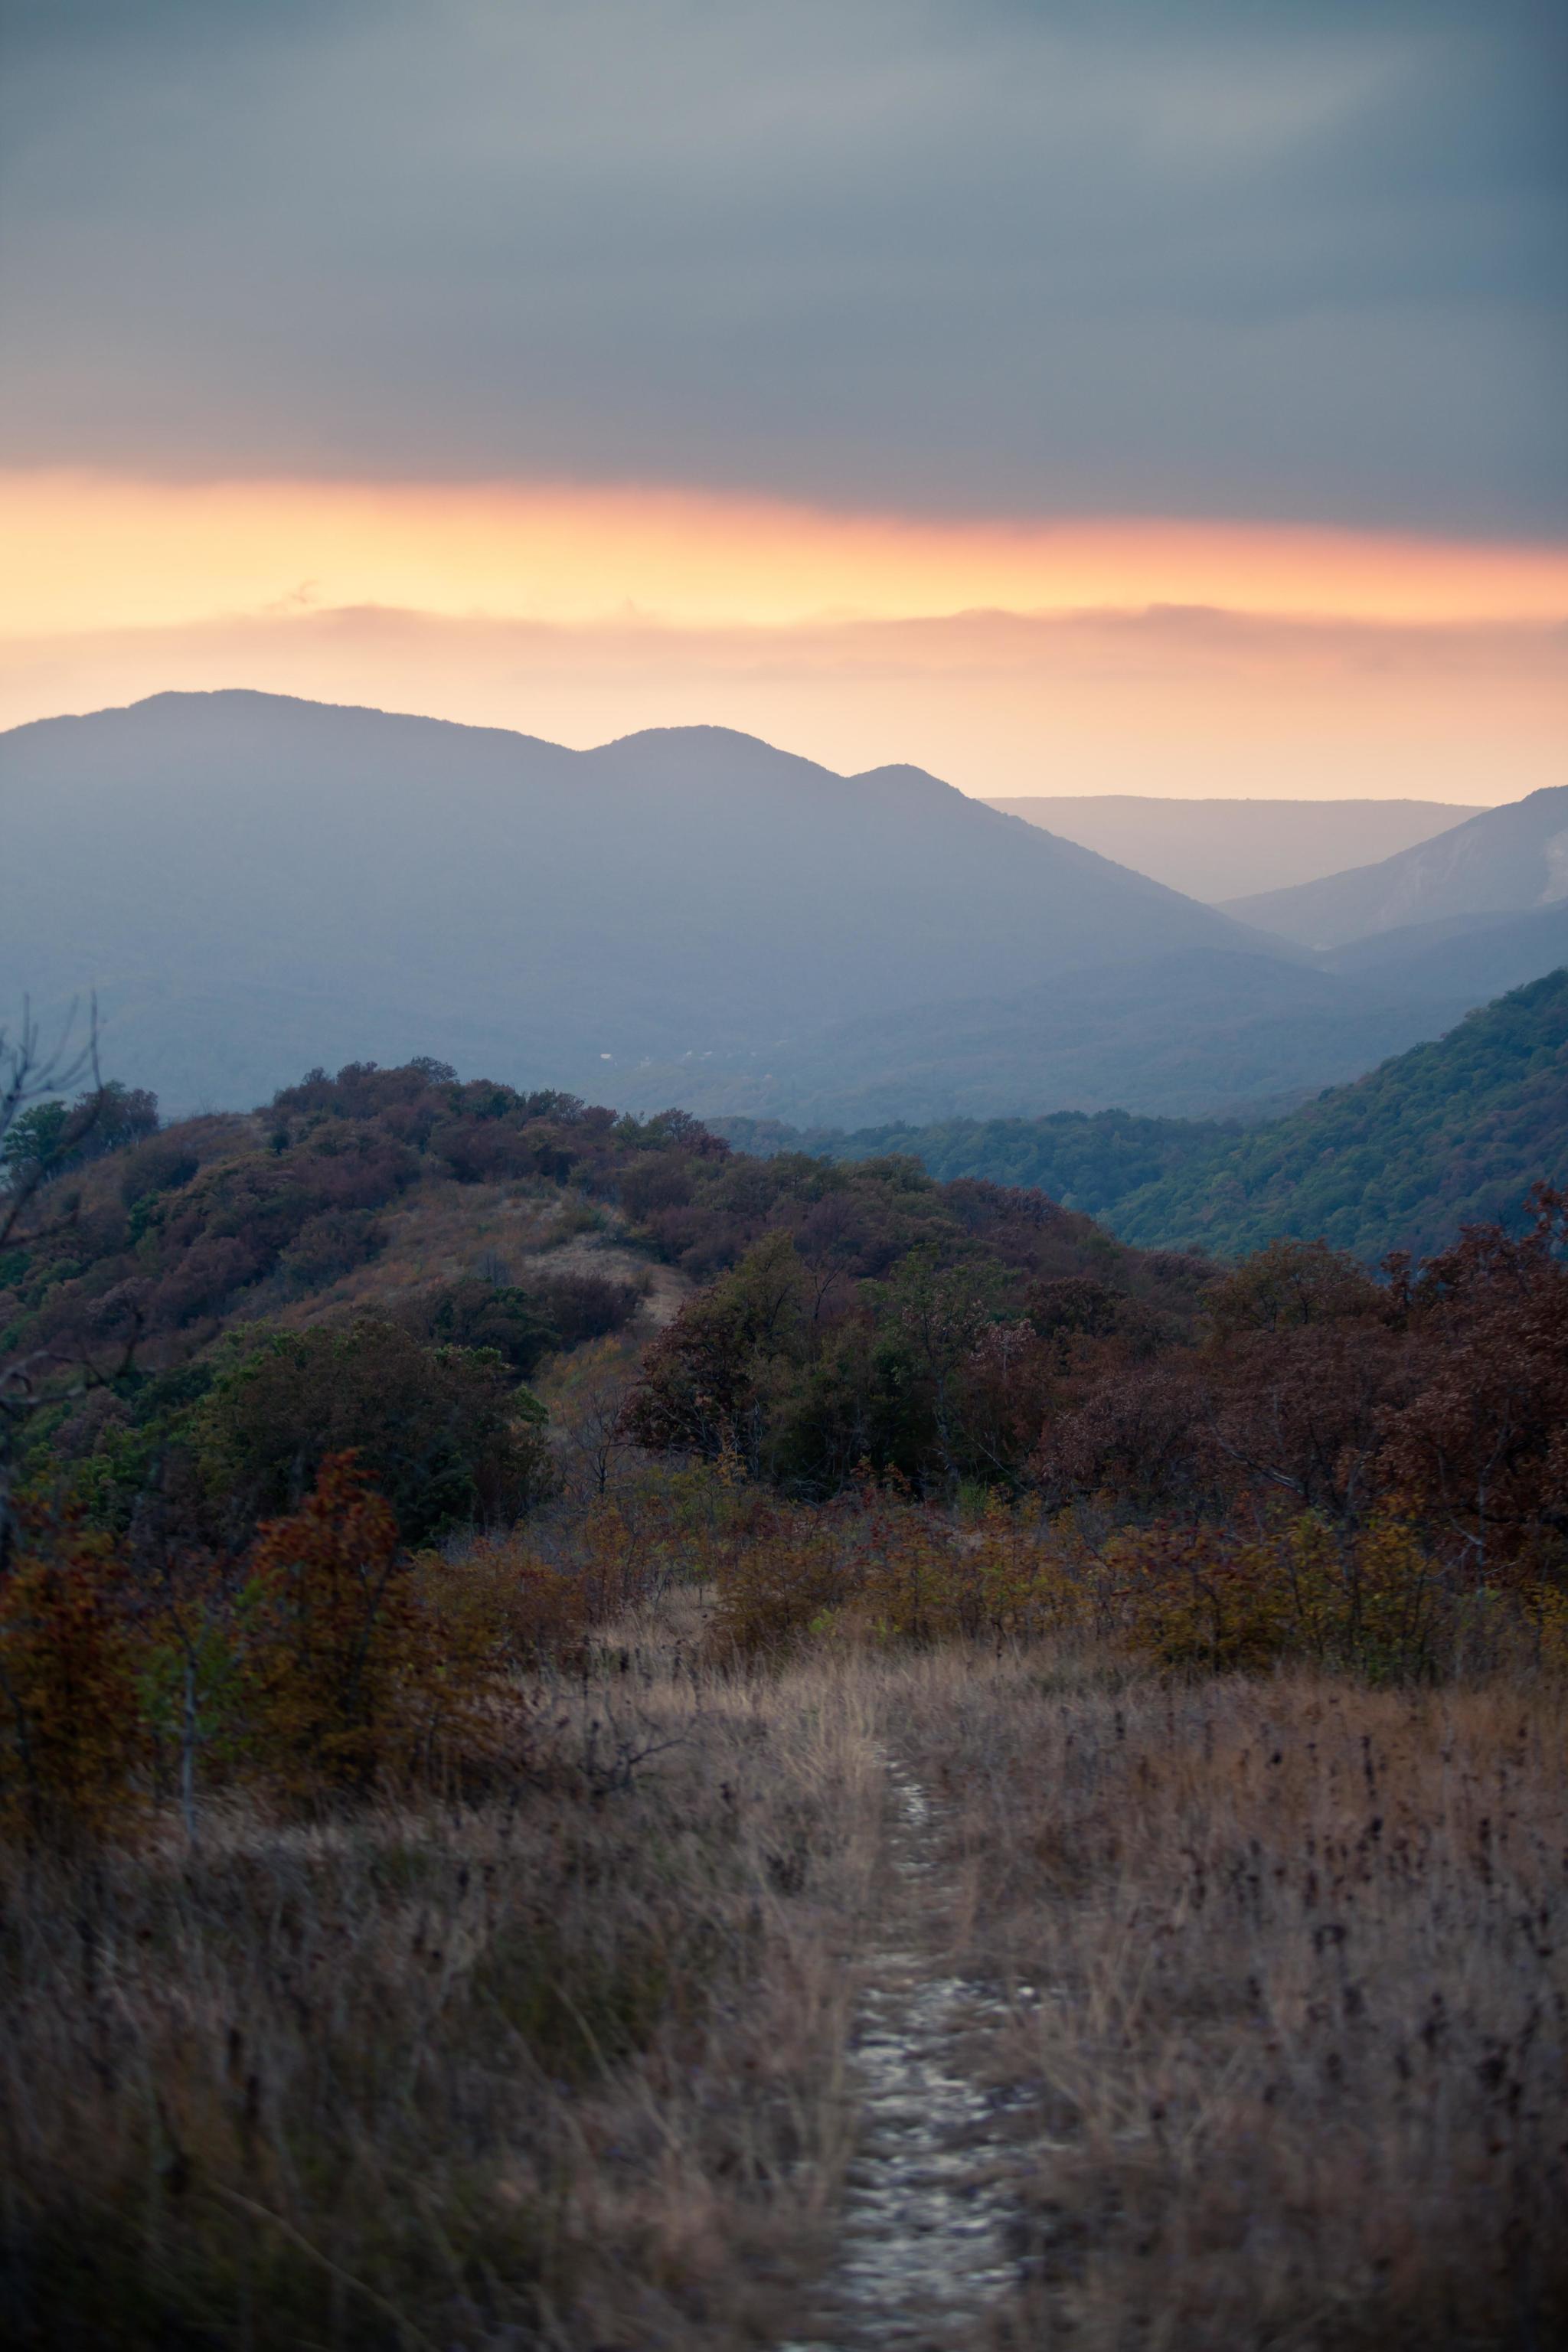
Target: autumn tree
(334,1636)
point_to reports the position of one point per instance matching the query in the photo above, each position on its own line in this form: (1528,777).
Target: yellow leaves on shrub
(778,1586)
(1371,1599)
(884,1570)
(1191,1596)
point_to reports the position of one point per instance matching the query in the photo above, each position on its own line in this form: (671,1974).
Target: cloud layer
(963,256)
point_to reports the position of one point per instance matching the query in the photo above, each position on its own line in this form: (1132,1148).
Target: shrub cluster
(329,1658)
(182,1230)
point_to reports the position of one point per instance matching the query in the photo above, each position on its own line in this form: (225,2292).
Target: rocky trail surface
(928,2225)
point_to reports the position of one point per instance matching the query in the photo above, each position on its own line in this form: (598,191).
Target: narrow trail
(925,2235)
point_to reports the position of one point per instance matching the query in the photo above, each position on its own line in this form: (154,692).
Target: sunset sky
(1067,397)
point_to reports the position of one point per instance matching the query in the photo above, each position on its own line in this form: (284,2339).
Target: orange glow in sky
(91,551)
(1118,655)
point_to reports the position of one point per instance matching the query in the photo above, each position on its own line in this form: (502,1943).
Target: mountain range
(254,885)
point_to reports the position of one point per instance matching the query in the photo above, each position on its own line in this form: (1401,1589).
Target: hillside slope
(404,1250)
(1512,860)
(1447,1134)
(253,884)
(1218,849)
(1089,1160)
(1450,1134)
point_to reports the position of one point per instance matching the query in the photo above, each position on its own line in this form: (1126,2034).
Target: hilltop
(396,1234)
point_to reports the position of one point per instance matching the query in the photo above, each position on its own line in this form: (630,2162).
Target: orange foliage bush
(334,1636)
(365,1664)
(501,1606)
(72,1738)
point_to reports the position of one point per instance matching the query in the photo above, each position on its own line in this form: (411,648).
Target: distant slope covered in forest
(1444,1134)
(1089,1160)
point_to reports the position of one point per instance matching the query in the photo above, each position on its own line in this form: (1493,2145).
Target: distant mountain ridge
(254,883)
(1217,850)
(1508,860)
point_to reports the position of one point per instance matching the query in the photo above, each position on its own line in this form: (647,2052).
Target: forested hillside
(384,1258)
(1447,1133)
(1086,1159)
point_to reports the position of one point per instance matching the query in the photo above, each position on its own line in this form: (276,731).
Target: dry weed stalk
(558,2067)
(1290,1999)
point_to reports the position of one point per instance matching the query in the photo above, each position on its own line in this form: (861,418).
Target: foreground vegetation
(522,1631)
(1270,2003)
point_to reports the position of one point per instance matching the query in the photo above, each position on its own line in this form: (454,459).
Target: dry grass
(1289,1990)
(555,2069)
(441,1230)
(1282,2046)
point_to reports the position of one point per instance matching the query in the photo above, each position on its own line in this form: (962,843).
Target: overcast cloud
(1282,260)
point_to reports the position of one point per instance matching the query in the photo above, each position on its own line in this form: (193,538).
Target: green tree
(442,1432)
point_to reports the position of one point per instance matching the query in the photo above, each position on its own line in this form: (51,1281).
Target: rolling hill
(1509,860)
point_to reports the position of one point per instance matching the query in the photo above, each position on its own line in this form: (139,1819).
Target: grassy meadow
(1269,2018)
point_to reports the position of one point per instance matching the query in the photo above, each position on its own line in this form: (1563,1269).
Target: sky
(1067,395)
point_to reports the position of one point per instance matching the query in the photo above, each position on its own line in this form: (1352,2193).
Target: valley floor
(924,2000)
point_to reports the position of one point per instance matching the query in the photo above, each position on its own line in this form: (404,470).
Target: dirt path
(924,2236)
